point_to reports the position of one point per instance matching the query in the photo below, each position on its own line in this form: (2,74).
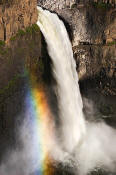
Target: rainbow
(42,120)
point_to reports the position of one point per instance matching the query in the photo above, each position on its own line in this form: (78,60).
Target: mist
(25,158)
(80,140)
(98,148)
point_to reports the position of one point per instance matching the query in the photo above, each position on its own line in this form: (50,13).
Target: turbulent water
(72,128)
(83,145)
(92,145)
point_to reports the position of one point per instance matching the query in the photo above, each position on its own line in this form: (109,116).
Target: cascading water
(72,127)
(88,145)
(85,147)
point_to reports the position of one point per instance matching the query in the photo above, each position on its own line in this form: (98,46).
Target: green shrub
(13,38)
(29,30)
(2,43)
(32,29)
(101,5)
(111,43)
(21,32)
(35,28)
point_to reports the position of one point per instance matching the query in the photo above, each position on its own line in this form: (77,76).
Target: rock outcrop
(91,59)
(89,22)
(20,55)
(93,34)
(18,60)
(15,16)
(59,4)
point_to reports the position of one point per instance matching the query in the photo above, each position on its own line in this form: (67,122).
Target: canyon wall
(92,30)
(59,4)
(19,38)
(89,21)
(91,27)
(16,15)
(20,56)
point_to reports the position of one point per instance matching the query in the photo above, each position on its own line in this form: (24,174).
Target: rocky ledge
(92,31)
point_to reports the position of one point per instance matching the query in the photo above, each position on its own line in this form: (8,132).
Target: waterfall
(89,146)
(72,127)
(84,148)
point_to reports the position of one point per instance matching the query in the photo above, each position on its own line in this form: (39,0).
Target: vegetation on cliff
(101,5)
(111,43)
(29,30)
(2,43)
(21,54)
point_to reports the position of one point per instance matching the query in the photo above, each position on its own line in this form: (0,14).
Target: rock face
(21,54)
(110,31)
(15,16)
(18,59)
(91,59)
(93,34)
(88,22)
(59,4)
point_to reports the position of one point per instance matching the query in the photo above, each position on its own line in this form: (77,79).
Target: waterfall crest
(72,127)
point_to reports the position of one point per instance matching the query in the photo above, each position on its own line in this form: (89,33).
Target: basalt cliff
(20,55)
(92,29)
(15,15)
(19,37)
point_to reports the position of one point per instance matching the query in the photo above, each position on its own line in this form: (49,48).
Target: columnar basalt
(15,16)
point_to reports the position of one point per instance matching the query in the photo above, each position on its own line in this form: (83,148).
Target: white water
(72,127)
(94,148)
(92,145)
